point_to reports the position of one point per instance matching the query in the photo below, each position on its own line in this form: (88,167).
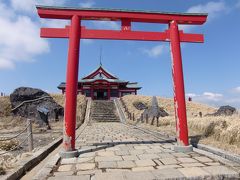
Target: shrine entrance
(100,94)
(75,32)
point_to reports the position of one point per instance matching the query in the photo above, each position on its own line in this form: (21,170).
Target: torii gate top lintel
(53,12)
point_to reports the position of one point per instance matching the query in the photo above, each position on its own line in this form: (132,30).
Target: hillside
(221,131)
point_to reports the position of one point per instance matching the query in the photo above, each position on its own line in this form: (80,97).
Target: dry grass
(5,106)
(167,104)
(222,131)
(81,105)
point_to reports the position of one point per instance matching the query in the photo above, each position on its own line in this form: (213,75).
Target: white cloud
(29,5)
(19,38)
(54,23)
(111,25)
(155,51)
(236,89)
(214,9)
(87,4)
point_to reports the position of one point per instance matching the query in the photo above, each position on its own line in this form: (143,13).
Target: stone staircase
(103,111)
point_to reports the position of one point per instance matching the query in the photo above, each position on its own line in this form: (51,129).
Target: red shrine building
(102,85)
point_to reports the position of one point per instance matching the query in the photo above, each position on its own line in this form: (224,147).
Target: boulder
(224,111)
(154,110)
(25,101)
(139,105)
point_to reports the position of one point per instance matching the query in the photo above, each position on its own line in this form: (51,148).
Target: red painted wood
(55,13)
(72,85)
(179,93)
(120,35)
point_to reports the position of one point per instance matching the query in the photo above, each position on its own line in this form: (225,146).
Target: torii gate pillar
(71,89)
(178,88)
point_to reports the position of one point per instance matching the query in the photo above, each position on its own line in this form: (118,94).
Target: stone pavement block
(108,158)
(203,159)
(192,165)
(169,166)
(85,166)
(152,151)
(221,171)
(178,155)
(106,153)
(89,172)
(114,148)
(125,164)
(141,147)
(139,175)
(122,152)
(148,156)
(146,168)
(65,168)
(68,161)
(130,157)
(168,173)
(109,176)
(85,159)
(136,152)
(86,154)
(213,164)
(187,160)
(196,172)
(107,164)
(168,161)
(65,173)
(118,170)
(165,155)
(146,162)
(81,177)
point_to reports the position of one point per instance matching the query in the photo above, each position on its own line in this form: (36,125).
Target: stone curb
(219,152)
(32,161)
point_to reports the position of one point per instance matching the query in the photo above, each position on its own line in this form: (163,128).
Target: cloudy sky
(211,69)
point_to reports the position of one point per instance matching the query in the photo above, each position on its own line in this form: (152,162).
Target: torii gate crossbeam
(75,32)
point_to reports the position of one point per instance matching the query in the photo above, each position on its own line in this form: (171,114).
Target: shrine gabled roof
(98,71)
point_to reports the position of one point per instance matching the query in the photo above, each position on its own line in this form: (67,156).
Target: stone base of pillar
(68,154)
(183,149)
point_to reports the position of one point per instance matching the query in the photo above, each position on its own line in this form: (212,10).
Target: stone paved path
(115,151)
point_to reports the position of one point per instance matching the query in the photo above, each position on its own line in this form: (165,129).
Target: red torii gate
(75,32)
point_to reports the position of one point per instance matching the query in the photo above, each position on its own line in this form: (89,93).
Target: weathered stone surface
(65,173)
(139,105)
(139,175)
(187,160)
(65,168)
(168,161)
(107,164)
(110,175)
(196,172)
(203,159)
(146,168)
(81,177)
(68,161)
(108,158)
(146,162)
(126,164)
(85,166)
(192,165)
(167,173)
(154,110)
(29,110)
(224,111)
(221,171)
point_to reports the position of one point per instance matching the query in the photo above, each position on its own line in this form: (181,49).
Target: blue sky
(211,69)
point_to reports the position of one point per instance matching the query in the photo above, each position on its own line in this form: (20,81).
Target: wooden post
(30,135)
(153,120)
(158,121)
(147,118)
(130,116)
(142,118)
(133,117)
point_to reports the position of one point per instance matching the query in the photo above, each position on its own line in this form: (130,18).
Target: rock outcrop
(224,111)
(154,110)
(26,100)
